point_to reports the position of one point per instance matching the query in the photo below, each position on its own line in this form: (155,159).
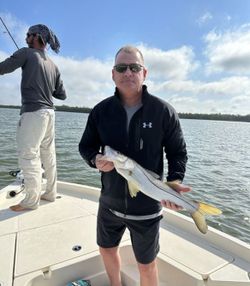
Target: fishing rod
(9,32)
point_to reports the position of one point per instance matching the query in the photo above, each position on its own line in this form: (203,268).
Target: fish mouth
(111,154)
(114,156)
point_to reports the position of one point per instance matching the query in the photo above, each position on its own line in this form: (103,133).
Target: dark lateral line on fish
(162,188)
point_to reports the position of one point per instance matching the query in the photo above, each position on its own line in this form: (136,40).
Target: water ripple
(218,167)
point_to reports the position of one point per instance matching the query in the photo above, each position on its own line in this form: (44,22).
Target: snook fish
(140,179)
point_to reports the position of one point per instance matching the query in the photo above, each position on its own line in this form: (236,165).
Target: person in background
(142,127)
(41,81)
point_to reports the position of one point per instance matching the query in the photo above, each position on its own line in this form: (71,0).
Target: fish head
(120,161)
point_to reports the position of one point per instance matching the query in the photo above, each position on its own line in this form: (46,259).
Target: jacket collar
(145,93)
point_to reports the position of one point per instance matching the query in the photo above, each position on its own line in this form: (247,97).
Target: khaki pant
(36,148)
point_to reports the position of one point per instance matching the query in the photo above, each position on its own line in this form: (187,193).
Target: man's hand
(102,164)
(178,187)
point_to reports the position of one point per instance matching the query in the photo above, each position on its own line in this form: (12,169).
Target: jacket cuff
(92,161)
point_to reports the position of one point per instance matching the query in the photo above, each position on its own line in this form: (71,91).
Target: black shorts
(144,234)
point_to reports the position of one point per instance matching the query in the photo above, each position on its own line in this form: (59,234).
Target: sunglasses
(28,35)
(121,68)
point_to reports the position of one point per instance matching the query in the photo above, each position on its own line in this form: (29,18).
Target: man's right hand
(102,164)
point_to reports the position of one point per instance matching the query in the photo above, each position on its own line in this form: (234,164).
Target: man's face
(129,82)
(30,40)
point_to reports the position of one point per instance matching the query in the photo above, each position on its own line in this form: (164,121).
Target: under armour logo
(147,125)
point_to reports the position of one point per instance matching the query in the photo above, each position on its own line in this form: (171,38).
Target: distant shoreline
(200,116)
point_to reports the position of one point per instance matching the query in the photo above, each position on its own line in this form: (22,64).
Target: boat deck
(56,244)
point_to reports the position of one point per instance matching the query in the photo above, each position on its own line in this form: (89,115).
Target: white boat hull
(37,248)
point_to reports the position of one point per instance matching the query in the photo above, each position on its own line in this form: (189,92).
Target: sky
(197,52)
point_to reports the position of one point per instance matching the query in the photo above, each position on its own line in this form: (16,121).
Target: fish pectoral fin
(208,209)
(133,189)
(200,221)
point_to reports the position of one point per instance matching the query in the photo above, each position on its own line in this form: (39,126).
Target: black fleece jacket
(153,130)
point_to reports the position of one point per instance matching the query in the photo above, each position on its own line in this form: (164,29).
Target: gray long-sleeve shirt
(41,78)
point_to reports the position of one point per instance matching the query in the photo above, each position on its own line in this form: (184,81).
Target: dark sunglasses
(121,68)
(28,35)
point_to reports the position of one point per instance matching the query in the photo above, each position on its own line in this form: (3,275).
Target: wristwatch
(93,161)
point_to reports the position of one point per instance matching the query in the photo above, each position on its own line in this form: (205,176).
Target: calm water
(218,168)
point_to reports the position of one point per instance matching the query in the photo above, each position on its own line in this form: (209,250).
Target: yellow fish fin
(199,218)
(208,209)
(200,221)
(133,189)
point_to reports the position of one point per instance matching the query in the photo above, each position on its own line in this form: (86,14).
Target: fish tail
(200,221)
(208,209)
(199,215)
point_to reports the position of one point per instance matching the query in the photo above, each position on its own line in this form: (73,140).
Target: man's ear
(145,73)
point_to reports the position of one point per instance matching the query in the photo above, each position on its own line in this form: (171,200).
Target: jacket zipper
(126,184)
(126,198)
(138,146)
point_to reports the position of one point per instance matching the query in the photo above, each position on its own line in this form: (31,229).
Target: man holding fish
(143,128)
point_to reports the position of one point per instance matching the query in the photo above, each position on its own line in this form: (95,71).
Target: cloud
(87,81)
(227,87)
(206,17)
(17,30)
(9,85)
(174,75)
(174,64)
(229,95)
(228,51)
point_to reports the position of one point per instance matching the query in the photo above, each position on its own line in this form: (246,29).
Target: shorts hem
(109,246)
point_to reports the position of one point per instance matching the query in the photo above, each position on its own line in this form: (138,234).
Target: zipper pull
(141,144)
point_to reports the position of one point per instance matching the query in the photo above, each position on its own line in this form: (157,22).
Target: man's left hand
(178,187)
